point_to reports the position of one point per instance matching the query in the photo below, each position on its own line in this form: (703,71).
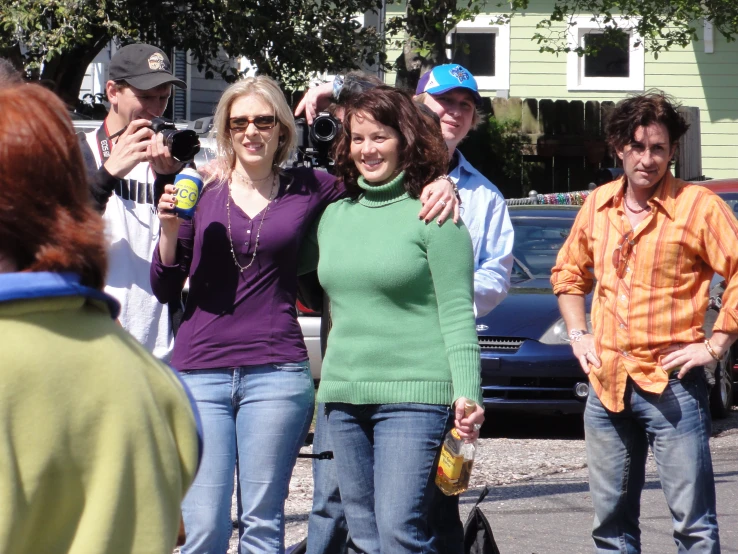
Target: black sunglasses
(261,122)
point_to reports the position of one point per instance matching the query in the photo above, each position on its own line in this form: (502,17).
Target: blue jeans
(255,419)
(385,457)
(327,528)
(676,424)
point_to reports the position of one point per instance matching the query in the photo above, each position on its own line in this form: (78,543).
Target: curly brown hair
(642,111)
(423,155)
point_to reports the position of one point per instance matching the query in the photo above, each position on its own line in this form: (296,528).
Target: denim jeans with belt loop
(386,457)
(676,424)
(255,418)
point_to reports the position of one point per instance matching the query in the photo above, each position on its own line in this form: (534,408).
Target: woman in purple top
(239,347)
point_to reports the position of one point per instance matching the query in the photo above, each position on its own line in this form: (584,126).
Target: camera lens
(182,144)
(324,129)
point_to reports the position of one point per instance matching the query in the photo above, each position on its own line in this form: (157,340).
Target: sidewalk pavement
(553,514)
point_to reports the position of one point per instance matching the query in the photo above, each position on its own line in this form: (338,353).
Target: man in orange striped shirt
(651,243)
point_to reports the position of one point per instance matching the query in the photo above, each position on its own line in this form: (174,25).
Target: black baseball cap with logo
(142,66)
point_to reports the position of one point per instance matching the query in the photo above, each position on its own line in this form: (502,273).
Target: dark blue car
(527,362)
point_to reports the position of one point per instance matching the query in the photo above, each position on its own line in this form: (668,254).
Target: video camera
(183,144)
(314,141)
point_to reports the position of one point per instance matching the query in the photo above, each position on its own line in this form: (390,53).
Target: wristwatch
(337,86)
(576,335)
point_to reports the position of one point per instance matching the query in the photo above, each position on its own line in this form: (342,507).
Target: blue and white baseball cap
(443,78)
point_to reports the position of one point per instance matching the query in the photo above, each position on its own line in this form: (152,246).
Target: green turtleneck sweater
(401,297)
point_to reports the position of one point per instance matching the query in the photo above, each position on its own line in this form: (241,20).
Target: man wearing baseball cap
(451,92)
(128,166)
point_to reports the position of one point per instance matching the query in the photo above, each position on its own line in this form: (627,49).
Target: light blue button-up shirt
(484,212)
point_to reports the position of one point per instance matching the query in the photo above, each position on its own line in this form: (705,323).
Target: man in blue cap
(451,92)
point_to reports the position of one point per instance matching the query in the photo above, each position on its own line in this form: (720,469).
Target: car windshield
(537,243)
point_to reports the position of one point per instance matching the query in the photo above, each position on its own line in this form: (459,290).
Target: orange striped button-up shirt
(652,281)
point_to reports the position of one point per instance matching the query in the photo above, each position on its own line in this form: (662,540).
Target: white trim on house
(709,37)
(575,79)
(500,82)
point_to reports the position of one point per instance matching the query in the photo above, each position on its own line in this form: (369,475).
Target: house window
(615,66)
(467,50)
(483,47)
(611,60)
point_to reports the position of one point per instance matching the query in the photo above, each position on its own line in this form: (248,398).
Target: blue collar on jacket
(42,284)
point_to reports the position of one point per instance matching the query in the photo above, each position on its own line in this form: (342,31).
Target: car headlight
(556,334)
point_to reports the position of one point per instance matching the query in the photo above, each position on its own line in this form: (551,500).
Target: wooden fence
(567,145)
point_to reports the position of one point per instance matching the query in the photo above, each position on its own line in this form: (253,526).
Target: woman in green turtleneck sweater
(402,355)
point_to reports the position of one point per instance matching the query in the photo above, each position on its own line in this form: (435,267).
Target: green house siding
(693,77)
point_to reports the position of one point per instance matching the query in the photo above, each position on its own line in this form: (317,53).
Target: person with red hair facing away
(99,440)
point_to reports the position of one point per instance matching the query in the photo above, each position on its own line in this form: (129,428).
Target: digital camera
(183,144)
(314,141)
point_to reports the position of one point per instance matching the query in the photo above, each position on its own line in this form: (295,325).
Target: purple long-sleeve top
(235,319)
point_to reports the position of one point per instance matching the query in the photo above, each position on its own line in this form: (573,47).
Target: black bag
(299,548)
(478,536)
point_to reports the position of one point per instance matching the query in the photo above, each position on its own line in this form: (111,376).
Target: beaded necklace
(625,201)
(258,231)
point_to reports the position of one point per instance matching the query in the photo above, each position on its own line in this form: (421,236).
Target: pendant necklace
(258,231)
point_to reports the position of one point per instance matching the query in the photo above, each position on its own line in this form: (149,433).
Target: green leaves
(287,39)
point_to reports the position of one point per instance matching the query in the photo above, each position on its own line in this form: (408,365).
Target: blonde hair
(268,90)
(476,119)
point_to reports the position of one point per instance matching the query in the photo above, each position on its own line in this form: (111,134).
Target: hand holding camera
(160,156)
(131,148)
(157,141)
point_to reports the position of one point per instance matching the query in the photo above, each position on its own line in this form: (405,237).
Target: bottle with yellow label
(189,185)
(457,459)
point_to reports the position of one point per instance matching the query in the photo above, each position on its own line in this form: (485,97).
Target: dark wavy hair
(47,222)
(642,111)
(423,154)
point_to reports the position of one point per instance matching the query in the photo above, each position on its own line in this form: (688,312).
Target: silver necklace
(247,179)
(258,231)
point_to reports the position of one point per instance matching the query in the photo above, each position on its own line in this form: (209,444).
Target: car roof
(543,210)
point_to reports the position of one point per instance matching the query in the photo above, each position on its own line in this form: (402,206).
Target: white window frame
(575,79)
(488,24)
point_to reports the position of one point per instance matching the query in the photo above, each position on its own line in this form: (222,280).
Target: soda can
(189,185)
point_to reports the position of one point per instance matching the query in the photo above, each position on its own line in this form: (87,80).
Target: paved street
(553,514)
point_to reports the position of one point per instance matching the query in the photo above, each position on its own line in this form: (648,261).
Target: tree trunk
(64,74)
(422,28)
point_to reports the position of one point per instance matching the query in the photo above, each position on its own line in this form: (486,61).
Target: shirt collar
(664,197)
(462,164)
(42,284)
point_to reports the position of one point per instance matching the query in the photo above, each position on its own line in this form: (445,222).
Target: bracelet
(711,350)
(337,86)
(576,335)
(450,180)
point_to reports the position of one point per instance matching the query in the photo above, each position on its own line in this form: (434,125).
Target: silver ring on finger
(442,203)
(477,426)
